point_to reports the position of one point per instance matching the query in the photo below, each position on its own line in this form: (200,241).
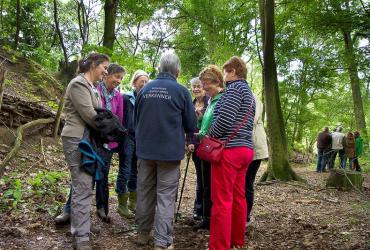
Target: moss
(345,180)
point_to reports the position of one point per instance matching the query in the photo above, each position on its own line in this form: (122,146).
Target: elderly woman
(232,122)
(127,174)
(111,100)
(200,103)
(212,82)
(81,99)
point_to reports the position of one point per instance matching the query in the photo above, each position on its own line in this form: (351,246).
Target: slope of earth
(287,216)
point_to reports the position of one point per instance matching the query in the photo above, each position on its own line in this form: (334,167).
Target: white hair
(169,63)
(195,80)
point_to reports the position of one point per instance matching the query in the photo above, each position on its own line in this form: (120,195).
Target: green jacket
(205,122)
(359,144)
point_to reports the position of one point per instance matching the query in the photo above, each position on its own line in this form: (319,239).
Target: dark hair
(212,73)
(357,134)
(238,64)
(115,68)
(93,59)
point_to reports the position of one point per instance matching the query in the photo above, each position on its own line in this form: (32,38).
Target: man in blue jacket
(164,112)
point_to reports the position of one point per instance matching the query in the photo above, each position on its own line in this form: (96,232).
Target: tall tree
(18,24)
(60,35)
(278,167)
(110,10)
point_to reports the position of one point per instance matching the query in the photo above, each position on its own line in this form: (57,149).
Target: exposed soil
(287,216)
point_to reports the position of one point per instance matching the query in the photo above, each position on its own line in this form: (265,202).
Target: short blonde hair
(213,74)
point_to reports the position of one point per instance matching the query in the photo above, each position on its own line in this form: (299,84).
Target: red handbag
(210,149)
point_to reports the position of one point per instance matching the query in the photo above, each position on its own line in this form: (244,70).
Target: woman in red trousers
(232,122)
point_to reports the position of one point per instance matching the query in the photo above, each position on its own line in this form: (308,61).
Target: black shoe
(197,216)
(204,225)
(63,219)
(101,214)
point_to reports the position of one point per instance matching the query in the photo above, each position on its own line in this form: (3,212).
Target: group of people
(348,147)
(160,125)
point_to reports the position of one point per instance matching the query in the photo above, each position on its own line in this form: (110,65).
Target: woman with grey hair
(200,103)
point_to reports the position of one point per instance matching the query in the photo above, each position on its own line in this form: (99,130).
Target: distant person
(127,173)
(359,144)
(337,147)
(349,150)
(200,103)
(260,153)
(323,141)
(81,99)
(164,112)
(235,109)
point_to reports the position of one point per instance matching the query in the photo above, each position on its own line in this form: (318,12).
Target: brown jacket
(349,147)
(80,102)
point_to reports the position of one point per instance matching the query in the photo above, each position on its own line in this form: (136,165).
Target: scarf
(108,97)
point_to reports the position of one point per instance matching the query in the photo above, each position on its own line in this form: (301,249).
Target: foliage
(313,75)
(40,189)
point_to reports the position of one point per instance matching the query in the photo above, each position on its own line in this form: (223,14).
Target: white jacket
(259,134)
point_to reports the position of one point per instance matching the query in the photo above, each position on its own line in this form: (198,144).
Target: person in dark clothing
(127,173)
(200,103)
(164,112)
(324,141)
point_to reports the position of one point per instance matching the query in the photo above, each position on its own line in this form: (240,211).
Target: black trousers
(249,185)
(198,203)
(206,179)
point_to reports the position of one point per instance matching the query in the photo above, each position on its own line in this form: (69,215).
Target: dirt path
(286,216)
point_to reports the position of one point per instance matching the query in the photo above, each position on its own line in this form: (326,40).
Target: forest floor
(287,215)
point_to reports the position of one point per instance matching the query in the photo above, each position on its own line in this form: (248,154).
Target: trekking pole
(183,185)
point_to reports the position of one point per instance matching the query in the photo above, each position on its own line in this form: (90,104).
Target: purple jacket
(117,108)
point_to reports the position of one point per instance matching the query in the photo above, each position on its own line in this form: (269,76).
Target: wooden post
(2,83)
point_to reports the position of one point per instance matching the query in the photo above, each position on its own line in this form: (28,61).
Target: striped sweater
(229,113)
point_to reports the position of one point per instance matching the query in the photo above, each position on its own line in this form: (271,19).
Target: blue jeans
(323,156)
(127,173)
(341,158)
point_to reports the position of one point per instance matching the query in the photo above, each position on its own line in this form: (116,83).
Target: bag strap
(241,124)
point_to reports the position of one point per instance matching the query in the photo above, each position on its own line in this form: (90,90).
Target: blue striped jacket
(230,111)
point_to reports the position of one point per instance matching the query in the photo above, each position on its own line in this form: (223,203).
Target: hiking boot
(170,247)
(204,225)
(143,238)
(132,201)
(63,219)
(102,215)
(123,206)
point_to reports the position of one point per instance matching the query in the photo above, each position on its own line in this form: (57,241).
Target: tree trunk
(83,22)
(56,21)
(355,83)
(110,9)
(59,113)
(18,24)
(261,7)
(18,142)
(279,167)
(2,83)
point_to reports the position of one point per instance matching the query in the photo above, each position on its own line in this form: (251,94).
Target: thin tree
(56,22)
(18,24)
(278,167)
(110,10)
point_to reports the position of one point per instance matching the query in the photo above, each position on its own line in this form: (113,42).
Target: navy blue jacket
(164,112)
(128,112)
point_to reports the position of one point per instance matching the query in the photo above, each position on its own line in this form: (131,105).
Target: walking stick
(183,185)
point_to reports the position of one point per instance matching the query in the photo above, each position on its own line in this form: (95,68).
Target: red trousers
(228,216)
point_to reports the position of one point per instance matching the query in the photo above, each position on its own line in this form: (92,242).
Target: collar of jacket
(132,97)
(166,75)
(234,81)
